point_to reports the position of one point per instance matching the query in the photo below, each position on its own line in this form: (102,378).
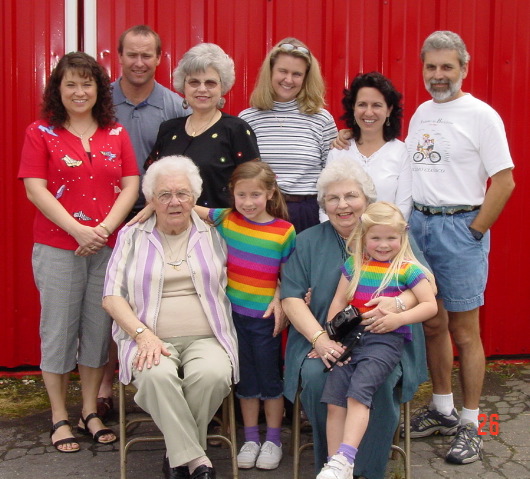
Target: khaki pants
(183,393)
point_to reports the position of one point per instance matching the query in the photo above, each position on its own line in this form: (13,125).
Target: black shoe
(203,472)
(180,472)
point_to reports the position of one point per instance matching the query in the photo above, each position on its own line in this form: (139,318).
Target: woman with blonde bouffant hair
(293,129)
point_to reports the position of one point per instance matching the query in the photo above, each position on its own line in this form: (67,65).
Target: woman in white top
(373,112)
(293,129)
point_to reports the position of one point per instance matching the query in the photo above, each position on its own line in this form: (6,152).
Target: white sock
(443,403)
(199,461)
(469,415)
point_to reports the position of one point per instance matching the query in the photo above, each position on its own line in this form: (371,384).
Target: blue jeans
(458,261)
(259,358)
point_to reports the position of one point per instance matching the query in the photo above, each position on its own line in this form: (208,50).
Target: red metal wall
(347,36)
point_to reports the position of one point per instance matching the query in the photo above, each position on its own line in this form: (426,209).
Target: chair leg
(404,451)
(295,436)
(406,422)
(123,432)
(232,433)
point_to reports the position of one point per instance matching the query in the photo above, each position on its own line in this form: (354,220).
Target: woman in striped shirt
(293,129)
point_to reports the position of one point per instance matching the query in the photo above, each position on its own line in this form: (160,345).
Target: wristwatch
(139,331)
(478,235)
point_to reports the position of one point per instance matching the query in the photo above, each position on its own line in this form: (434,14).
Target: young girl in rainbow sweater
(259,241)
(381,264)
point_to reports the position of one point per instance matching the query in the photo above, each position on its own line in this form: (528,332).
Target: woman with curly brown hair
(373,113)
(79,170)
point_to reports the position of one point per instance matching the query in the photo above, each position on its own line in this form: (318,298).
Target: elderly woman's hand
(386,323)
(383,306)
(150,347)
(327,350)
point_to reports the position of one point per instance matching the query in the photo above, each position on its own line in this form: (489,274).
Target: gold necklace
(69,126)
(176,263)
(195,132)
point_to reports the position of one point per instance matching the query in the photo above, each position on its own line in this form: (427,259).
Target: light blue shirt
(143,120)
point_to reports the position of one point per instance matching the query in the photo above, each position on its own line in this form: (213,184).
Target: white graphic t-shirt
(454,148)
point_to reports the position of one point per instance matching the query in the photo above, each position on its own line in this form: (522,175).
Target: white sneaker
(270,456)
(246,459)
(337,467)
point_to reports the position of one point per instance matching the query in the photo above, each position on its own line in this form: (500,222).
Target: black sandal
(66,440)
(96,435)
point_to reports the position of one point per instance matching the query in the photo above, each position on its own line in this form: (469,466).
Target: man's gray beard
(453,89)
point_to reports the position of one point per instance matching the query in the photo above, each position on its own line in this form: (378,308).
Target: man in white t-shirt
(455,142)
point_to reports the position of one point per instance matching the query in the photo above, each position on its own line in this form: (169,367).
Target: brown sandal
(66,440)
(105,408)
(96,435)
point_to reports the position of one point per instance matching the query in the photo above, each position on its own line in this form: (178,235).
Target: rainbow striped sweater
(372,274)
(256,252)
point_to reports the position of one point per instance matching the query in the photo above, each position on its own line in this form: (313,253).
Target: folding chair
(227,436)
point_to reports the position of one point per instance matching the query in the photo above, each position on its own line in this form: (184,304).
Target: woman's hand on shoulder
(342,141)
(143,215)
(150,347)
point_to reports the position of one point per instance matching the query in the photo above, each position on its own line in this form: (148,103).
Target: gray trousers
(74,327)
(183,393)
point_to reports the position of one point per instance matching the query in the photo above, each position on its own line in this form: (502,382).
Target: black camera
(344,327)
(343,322)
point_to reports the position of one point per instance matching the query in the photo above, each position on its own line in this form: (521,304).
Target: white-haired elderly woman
(344,190)
(215,141)
(165,289)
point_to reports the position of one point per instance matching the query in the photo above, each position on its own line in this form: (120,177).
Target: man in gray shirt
(141,102)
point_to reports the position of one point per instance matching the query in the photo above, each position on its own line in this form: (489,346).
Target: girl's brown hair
(261,171)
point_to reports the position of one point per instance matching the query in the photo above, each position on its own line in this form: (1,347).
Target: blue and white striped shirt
(293,143)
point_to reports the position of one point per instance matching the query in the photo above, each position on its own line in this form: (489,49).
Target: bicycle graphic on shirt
(426,150)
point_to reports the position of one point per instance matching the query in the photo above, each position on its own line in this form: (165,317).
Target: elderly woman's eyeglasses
(334,200)
(208,84)
(289,47)
(166,196)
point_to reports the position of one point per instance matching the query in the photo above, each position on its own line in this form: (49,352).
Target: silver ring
(326,356)
(332,352)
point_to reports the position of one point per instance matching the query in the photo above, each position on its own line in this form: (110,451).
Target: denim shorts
(259,358)
(373,358)
(458,260)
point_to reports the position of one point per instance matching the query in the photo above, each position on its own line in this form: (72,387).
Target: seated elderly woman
(165,289)
(344,192)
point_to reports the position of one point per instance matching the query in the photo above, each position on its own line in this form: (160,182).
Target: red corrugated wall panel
(347,36)
(32,40)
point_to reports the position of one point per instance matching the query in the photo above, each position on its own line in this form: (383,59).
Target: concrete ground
(25,450)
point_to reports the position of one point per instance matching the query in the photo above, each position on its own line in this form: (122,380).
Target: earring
(185,104)
(387,123)
(221,103)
